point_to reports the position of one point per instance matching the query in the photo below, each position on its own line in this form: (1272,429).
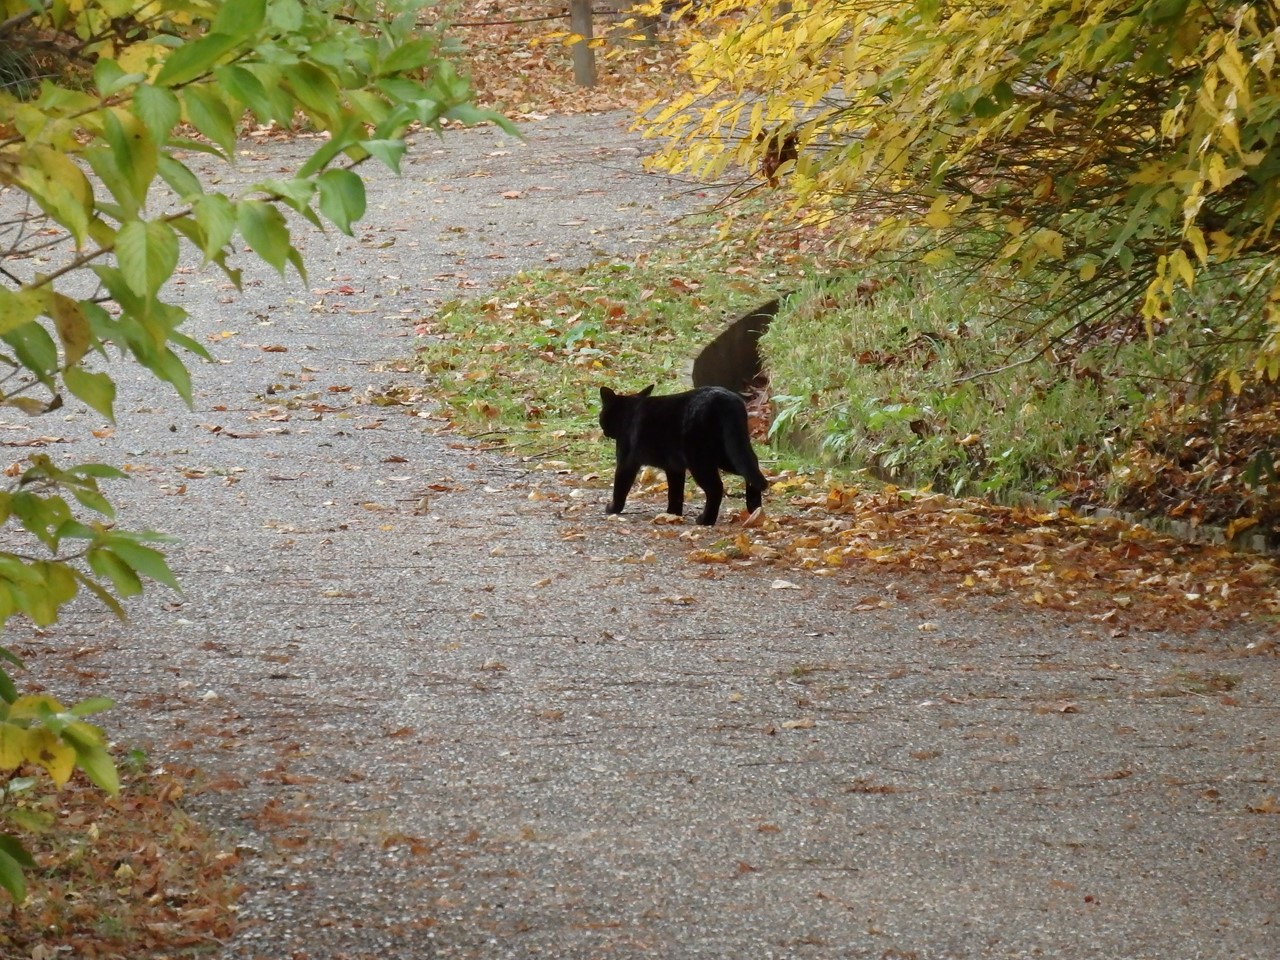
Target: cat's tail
(742,458)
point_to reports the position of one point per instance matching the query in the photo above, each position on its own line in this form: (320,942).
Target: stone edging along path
(496,725)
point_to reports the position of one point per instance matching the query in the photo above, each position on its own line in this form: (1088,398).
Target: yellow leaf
(1195,236)
(13,745)
(72,326)
(938,219)
(1231,63)
(45,749)
(1240,525)
(32,706)
(1050,241)
(1088,271)
(1236,384)
(142,58)
(1181,265)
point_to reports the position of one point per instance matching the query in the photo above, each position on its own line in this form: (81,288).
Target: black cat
(703,431)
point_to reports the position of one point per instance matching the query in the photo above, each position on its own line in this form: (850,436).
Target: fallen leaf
(806,724)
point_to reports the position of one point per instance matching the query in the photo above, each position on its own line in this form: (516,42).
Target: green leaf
(166,365)
(217,217)
(12,858)
(134,153)
(60,581)
(240,18)
(34,349)
(179,339)
(92,705)
(100,470)
(60,187)
(208,113)
(410,56)
(158,109)
(179,178)
(147,254)
(8,690)
(103,163)
(13,848)
(342,197)
(18,307)
(97,390)
(78,734)
(286,15)
(32,821)
(246,88)
(98,767)
(109,77)
(342,139)
(296,193)
(146,561)
(388,151)
(263,228)
(106,564)
(110,602)
(314,89)
(469,114)
(194,59)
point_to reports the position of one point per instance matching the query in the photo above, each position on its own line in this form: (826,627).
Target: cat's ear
(606,395)
(646,391)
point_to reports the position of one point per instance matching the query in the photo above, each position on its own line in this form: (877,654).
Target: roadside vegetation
(909,372)
(1067,216)
(101,106)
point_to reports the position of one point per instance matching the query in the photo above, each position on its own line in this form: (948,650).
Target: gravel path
(495,725)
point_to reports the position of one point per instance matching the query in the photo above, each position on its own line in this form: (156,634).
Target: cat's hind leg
(709,480)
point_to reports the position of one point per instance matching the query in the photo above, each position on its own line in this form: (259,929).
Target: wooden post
(584,57)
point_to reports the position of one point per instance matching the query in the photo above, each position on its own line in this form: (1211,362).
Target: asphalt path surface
(446,709)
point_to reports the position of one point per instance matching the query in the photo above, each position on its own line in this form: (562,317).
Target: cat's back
(712,403)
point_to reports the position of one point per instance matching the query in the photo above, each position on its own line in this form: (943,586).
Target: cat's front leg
(675,492)
(623,477)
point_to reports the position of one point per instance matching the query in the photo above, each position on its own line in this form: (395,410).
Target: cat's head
(616,410)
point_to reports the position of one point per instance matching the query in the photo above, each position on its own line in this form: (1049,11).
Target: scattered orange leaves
(1117,574)
(121,877)
(520,68)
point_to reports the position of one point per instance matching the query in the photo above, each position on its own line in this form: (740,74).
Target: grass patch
(522,367)
(906,373)
(895,370)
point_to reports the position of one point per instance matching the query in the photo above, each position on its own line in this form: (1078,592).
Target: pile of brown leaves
(118,877)
(1211,461)
(1114,574)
